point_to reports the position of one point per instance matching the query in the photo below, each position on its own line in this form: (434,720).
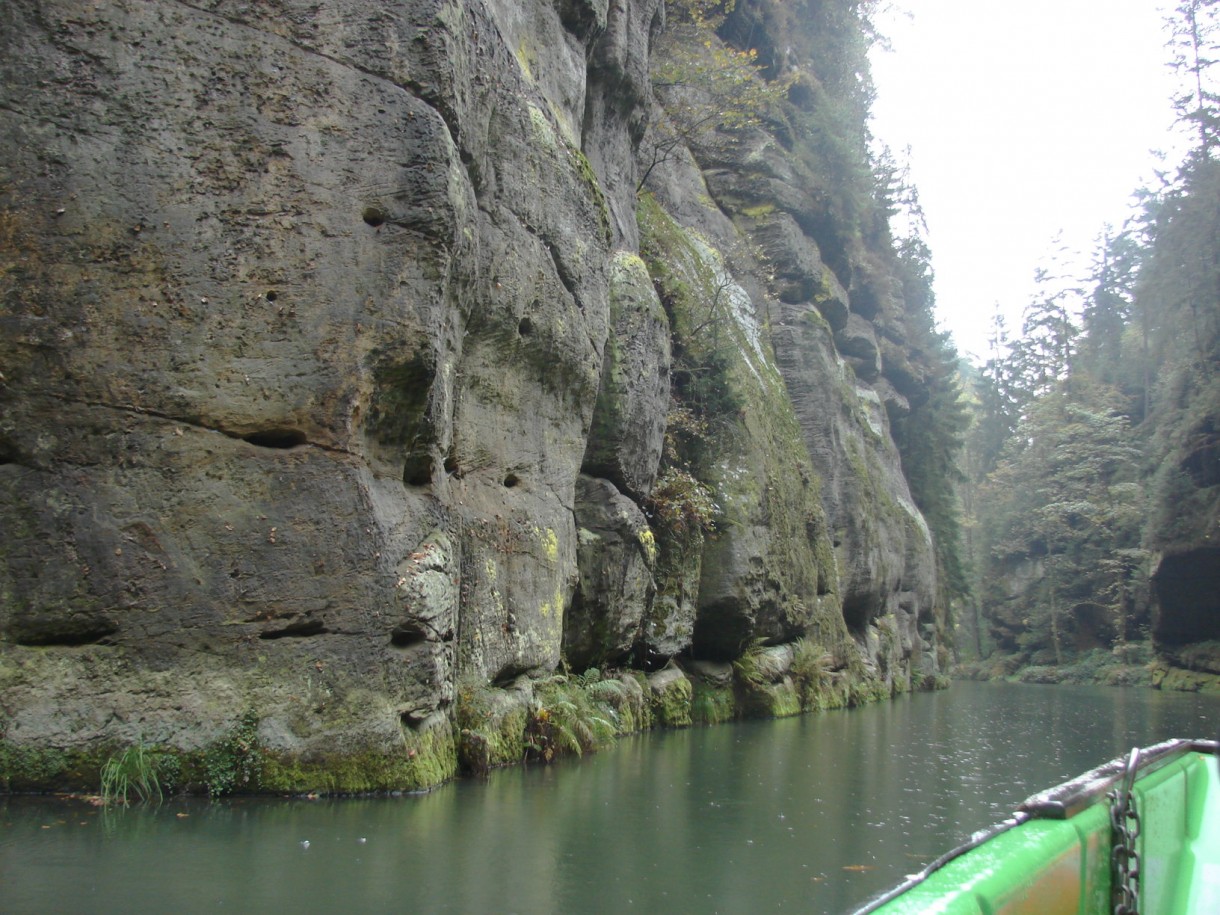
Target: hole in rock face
(276,438)
(511,480)
(295,630)
(722,630)
(858,610)
(802,96)
(418,470)
(526,327)
(407,634)
(1187,587)
(51,629)
(413,719)
(272,295)
(507,675)
(374,216)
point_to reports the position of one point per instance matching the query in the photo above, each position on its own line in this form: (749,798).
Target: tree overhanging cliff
(364,366)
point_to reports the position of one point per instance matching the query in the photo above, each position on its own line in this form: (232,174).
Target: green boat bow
(1140,833)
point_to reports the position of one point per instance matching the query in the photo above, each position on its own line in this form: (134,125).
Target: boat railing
(1068,799)
(1059,803)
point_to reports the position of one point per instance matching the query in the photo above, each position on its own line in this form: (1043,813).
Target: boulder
(615,553)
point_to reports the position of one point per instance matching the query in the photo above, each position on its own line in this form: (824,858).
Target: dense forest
(1091,469)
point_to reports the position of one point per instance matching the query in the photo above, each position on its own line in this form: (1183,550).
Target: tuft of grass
(138,770)
(711,704)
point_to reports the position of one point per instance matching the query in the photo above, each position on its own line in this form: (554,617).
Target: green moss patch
(428,760)
(711,704)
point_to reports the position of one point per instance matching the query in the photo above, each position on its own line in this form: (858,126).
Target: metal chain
(1124,858)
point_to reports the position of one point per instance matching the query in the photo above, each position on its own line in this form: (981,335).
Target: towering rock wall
(1183,530)
(338,372)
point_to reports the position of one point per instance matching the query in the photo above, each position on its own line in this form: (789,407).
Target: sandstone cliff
(342,355)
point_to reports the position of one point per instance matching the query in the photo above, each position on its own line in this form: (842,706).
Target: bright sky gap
(1026,123)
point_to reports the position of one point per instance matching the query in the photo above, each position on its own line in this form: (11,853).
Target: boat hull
(1053,855)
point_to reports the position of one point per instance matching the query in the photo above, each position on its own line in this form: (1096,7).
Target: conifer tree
(1065,497)
(1195,46)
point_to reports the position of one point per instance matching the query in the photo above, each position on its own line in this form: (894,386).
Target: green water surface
(810,814)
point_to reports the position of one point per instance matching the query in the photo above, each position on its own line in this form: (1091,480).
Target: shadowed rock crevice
(400,417)
(858,611)
(406,635)
(276,438)
(51,627)
(1202,460)
(296,630)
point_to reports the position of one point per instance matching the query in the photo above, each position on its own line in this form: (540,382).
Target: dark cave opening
(1187,590)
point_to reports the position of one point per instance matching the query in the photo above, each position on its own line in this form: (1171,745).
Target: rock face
(337,372)
(1186,517)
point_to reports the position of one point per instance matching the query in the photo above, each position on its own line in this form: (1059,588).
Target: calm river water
(810,814)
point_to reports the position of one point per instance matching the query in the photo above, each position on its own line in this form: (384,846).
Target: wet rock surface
(338,372)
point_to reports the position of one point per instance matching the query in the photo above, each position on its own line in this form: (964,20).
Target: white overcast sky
(1025,120)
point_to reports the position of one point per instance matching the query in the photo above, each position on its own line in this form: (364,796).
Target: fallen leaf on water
(857,868)
(182,816)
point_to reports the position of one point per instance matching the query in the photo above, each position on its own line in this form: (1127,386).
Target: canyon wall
(346,366)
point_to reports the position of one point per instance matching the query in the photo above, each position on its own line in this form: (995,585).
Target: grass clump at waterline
(138,770)
(711,704)
(542,720)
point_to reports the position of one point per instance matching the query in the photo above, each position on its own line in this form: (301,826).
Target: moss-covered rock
(616,553)
(711,703)
(765,564)
(670,697)
(1190,681)
(491,725)
(624,443)
(781,699)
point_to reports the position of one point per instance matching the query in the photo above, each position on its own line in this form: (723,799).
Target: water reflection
(810,814)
